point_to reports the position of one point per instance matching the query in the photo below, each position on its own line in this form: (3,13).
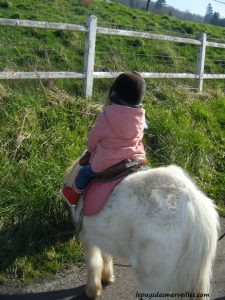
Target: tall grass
(188,129)
(41,133)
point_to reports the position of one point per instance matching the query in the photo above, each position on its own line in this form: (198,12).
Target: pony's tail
(194,268)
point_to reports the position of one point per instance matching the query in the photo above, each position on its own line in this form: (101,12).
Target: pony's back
(177,227)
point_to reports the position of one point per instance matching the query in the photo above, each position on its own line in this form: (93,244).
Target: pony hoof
(93,292)
(109,280)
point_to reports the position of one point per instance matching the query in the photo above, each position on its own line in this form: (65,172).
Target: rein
(79,224)
(222,236)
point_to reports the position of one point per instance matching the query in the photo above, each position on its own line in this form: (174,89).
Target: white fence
(91,30)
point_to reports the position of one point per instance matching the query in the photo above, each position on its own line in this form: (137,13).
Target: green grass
(41,133)
(188,130)
(44,124)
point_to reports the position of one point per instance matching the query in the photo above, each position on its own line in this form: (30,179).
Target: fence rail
(39,24)
(41,75)
(147,35)
(91,30)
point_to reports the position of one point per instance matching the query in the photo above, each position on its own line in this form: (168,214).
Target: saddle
(121,169)
(99,189)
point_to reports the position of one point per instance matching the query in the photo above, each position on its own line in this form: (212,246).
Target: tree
(147,7)
(215,19)
(132,3)
(160,4)
(222,22)
(209,14)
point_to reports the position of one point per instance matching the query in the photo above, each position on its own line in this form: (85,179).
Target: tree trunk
(147,7)
(132,3)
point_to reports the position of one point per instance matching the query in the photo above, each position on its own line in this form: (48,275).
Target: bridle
(79,223)
(222,236)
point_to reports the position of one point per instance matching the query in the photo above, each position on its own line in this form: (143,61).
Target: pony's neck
(71,173)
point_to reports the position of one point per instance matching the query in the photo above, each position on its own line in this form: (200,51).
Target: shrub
(4,4)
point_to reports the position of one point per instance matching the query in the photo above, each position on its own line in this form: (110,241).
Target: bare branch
(219,1)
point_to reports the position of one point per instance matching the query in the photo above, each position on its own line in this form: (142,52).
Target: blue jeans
(84,177)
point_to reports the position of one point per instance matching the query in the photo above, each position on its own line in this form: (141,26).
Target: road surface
(69,285)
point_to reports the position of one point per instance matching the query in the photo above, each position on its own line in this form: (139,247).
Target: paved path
(69,285)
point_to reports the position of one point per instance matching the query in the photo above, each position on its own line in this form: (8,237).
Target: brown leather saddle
(101,187)
(123,168)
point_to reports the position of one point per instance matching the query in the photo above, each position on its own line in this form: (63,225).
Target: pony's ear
(85,158)
(71,173)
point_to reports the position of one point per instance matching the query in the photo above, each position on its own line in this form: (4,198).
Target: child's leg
(72,194)
(83,178)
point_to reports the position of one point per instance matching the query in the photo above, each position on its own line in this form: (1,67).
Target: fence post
(90,55)
(201,62)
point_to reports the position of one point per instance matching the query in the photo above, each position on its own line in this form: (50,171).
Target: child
(117,134)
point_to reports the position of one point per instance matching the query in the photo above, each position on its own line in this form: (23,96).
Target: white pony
(162,223)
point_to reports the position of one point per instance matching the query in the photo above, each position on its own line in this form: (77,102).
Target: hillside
(38,49)
(44,124)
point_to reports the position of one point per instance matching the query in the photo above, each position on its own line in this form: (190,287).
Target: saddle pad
(96,196)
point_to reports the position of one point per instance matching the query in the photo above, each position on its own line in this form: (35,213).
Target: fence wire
(23,49)
(115,53)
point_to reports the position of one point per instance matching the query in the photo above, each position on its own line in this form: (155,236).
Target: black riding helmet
(128,89)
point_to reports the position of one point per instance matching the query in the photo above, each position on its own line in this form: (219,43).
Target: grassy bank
(44,124)
(42,132)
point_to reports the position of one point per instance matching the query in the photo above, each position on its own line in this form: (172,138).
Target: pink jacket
(117,135)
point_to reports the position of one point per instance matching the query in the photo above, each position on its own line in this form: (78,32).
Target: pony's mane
(71,172)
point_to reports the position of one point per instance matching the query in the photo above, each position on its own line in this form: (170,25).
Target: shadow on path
(75,294)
